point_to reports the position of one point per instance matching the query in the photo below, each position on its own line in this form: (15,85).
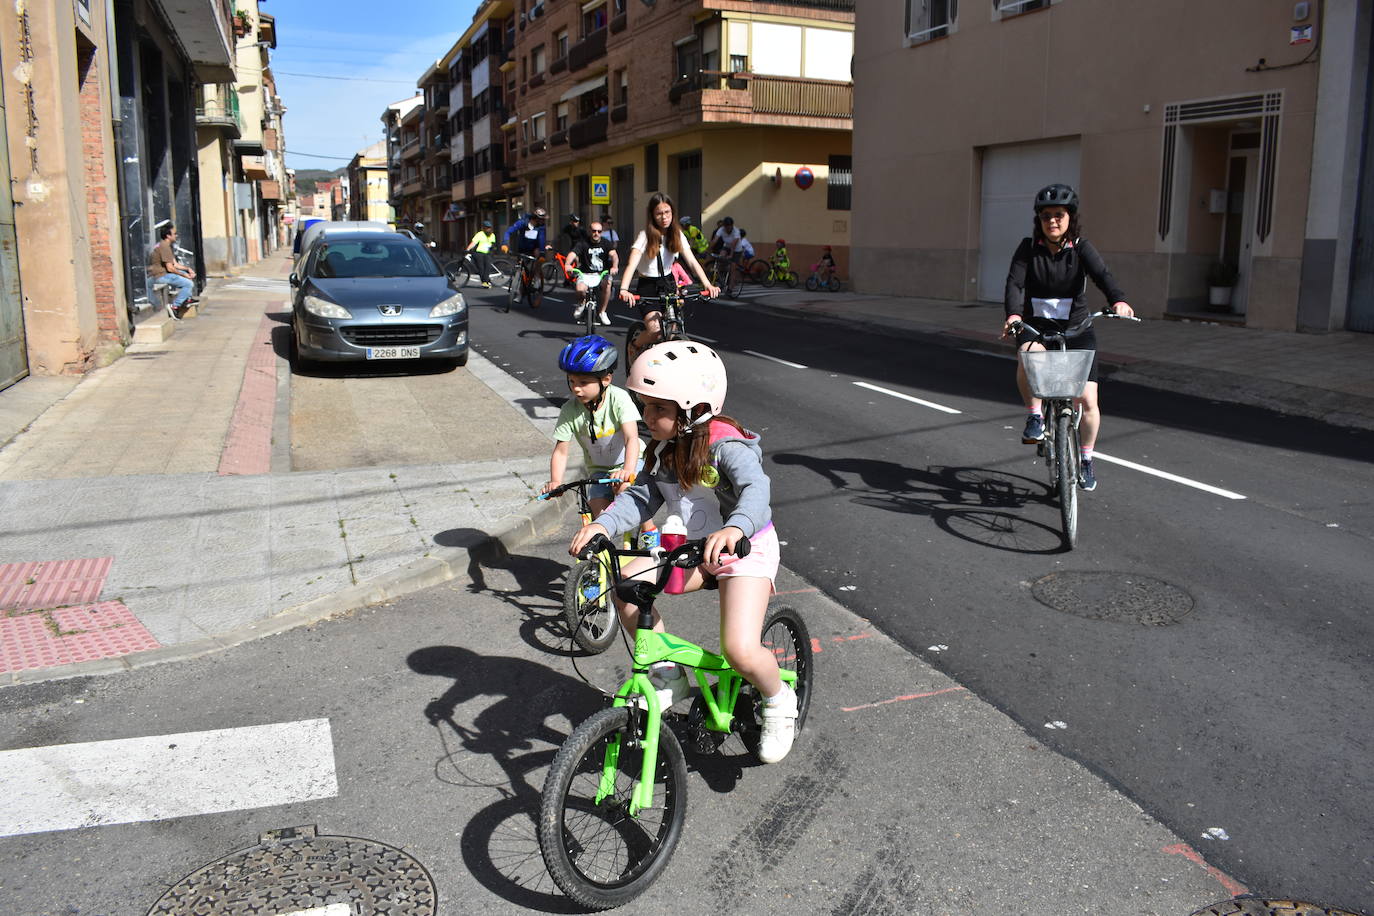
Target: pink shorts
(762,562)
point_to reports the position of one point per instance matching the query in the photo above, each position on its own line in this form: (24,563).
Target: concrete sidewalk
(1328,377)
(150,512)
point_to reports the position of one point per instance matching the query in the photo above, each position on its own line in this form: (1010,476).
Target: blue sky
(381,49)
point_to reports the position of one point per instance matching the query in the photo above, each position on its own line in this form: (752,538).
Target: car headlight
(450,306)
(324,308)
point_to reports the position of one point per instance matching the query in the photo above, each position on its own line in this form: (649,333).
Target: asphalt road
(1228,696)
(428,725)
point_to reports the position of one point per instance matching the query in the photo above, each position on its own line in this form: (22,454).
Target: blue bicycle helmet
(590,355)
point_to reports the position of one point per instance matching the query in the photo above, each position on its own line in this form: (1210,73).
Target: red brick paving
(248,445)
(83,633)
(27,586)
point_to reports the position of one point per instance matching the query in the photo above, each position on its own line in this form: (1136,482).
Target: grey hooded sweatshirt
(743,490)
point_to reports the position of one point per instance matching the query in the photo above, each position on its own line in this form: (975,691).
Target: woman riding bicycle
(656,249)
(707,470)
(481,246)
(1049,279)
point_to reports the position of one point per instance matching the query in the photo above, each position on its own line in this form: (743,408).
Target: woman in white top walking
(652,256)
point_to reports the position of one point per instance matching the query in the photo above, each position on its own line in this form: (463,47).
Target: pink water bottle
(672,535)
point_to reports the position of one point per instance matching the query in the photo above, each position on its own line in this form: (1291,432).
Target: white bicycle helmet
(684,371)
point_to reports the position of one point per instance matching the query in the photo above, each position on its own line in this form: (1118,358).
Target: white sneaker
(603,318)
(577,312)
(671,684)
(779,726)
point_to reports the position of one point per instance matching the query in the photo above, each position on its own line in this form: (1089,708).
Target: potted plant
(241,21)
(1221,280)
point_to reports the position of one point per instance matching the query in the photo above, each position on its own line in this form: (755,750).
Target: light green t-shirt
(483,241)
(601,437)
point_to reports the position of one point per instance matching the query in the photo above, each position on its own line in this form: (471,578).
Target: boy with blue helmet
(601,417)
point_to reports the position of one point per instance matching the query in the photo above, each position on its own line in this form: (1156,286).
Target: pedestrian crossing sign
(601,189)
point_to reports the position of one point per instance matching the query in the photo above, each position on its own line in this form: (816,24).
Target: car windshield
(373,258)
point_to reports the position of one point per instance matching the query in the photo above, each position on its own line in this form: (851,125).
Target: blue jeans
(183,286)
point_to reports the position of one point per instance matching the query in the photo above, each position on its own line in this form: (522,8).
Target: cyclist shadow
(537,593)
(503,747)
(974,504)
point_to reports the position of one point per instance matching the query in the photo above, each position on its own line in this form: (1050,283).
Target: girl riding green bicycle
(707,470)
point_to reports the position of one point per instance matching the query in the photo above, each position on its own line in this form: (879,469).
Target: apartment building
(1229,132)
(402,123)
(242,151)
(368,189)
(480,77)
(734,108)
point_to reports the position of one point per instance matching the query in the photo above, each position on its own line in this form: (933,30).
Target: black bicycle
(590,303)
(526,283)
(462,271)
(672,323)
(1057,377)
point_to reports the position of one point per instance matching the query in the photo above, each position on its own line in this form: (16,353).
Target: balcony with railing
(588,131)
(836,6)
(751,98)
(591,48)
(216,114)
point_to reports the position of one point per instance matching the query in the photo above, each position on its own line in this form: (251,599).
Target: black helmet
(1057,195)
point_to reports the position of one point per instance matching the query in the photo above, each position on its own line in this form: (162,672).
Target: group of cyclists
(704,469)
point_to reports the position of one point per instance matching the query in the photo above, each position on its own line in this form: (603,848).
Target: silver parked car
(369,295)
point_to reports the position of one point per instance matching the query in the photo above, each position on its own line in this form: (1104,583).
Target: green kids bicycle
(615,798)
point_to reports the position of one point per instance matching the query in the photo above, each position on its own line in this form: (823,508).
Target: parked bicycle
(526,282)
(615,798)
(1057,377)
(464,270)
(587,605)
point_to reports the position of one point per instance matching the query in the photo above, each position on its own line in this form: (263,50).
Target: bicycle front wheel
(597,852)
(513,290)
(1066,468)
(501,270)
(833,284)
(760,271)
(535,291)
(812,283)
(457,273)
(786,636)
(791,279)
(587,606)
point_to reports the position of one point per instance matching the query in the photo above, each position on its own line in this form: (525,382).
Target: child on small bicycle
(601,417)
(825,267)
(781,262)
(708,470)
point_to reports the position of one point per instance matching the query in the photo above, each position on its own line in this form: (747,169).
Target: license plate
(393,352)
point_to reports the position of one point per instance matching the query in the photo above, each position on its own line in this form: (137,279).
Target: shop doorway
(1238,224)
(687,196)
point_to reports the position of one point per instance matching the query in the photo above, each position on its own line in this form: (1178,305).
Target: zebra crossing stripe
(129,780)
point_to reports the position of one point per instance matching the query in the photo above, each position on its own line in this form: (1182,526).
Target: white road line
(906,397)
(1167,476)
(774,359)
(1011,356)
(128,780)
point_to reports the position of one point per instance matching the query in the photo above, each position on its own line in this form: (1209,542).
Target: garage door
(1011,176)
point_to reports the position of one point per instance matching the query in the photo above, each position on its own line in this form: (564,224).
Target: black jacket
(1035,272)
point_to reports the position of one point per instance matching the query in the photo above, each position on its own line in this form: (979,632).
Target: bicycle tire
(785,634)
(597,853)
(501,270)
(589,316)
(760,271)
(550,272)
(534,293)
(833,284)
(1066,465)
(791,279)
(592,621)
(812,283)
(513,289)
(458,273)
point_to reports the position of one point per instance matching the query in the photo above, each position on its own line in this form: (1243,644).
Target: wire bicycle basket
(1057,373)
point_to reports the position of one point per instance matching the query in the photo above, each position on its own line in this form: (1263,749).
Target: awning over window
(583,88)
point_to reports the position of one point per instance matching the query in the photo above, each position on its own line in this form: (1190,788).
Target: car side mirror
(294,280)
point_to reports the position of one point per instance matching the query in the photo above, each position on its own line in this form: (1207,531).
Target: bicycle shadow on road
(970,503)
(499,843)
(537,592)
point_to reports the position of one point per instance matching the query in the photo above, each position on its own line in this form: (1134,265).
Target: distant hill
(306,179)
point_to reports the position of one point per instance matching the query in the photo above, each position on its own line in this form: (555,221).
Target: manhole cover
(1113,596)
(1255,906)
(294,870)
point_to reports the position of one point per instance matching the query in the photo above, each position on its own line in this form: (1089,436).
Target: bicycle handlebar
(680,297)
(688,555)
(1017,327)
(577,484)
